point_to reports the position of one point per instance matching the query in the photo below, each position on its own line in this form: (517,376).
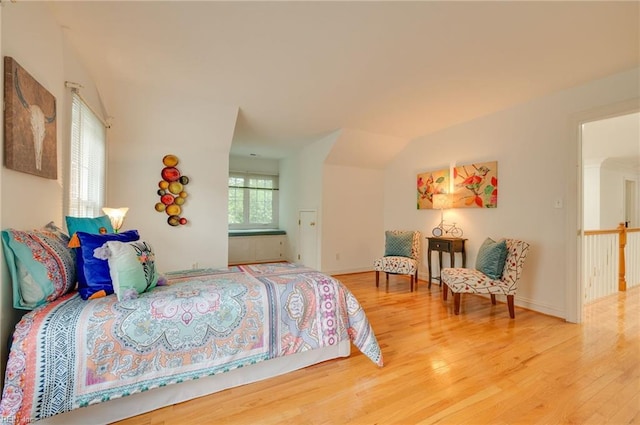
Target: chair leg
(456,303)
(445,292)
(411,277)
(512,309)
(416,279)
(493,299)
(387,281)
(377,278)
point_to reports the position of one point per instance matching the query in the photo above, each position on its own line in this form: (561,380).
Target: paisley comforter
(73,353)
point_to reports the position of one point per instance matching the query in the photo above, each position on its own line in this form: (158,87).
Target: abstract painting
(429,184)
(29,123)
(476,185)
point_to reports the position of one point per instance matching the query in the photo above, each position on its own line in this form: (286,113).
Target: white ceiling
(301,70)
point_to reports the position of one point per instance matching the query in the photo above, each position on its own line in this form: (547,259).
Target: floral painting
(476,185)
(429,184)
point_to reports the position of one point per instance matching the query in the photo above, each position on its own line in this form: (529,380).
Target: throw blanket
(73,353)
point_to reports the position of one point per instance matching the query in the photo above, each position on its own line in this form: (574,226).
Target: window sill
(256,232)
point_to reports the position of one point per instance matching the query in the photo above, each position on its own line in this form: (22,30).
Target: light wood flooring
(480,367)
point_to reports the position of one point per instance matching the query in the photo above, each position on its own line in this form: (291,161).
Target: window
(88,161)
(253,201)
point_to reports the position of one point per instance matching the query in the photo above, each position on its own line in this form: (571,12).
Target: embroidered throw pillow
(491,258)
(398,244)
(132,268)
(41,266)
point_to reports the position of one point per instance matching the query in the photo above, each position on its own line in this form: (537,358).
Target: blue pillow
(94,280)
(491,258)
(398,244)
(88,224)
(41,266)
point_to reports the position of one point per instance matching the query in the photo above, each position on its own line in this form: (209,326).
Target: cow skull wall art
(30,123)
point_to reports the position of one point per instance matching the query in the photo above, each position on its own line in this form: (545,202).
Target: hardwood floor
(480,367)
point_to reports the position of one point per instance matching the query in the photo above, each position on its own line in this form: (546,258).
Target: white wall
(591,196)
(536,147)
(148,124)
(611,196)
(352,206)
(604,194)
(32,37)
(254,165)
(604,197)
(35,41)
(612,180)
(301,188)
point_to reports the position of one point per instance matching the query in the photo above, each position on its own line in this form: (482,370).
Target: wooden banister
(621,231)
(622,283)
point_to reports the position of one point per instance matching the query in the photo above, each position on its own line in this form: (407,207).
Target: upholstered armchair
(497,272)
(401,256)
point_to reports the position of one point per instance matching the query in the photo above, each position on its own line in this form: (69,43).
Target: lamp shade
(441,201)
(116,216)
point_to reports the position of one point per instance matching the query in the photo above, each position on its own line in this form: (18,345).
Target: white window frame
(87,160)
(246,224)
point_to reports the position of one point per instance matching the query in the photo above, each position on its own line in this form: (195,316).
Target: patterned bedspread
(74,353)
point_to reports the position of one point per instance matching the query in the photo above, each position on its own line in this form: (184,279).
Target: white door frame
(574,254)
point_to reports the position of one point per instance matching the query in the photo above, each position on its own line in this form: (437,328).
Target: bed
(101,360)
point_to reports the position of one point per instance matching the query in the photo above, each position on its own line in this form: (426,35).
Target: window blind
(88,161)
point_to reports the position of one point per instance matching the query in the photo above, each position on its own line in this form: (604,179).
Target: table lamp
(116,216)
(440,202)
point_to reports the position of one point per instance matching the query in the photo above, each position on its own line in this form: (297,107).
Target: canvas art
(29,123)
(476,185)
(429,184)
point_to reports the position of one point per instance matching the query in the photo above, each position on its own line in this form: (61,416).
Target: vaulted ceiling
(398,70)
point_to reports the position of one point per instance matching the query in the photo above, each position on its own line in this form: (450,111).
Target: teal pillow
(491,258)
(132,268)
(398,244)
(41,266)
(88,225)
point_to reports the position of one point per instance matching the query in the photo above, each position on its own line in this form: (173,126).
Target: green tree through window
(253,201)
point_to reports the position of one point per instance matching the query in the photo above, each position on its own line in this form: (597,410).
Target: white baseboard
(347,271)
(522,302)
(528,304)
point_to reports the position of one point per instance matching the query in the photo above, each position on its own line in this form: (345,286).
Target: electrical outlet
(337,257)
(557,203)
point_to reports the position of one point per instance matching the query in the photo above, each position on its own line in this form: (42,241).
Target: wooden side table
(450,245)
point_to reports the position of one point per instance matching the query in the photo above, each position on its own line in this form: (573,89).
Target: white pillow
(132,268)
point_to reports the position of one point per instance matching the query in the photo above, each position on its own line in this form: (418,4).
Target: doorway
(609,172)
(630,203)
